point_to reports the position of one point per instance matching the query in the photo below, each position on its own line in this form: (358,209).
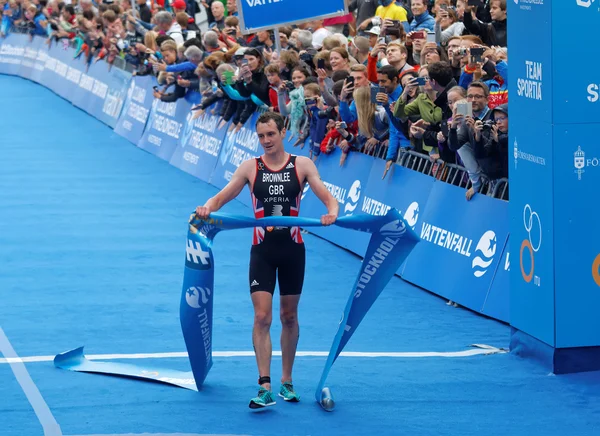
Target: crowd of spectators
(389,77)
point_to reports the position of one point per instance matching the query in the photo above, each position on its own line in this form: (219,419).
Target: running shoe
(287,392)
(264,399)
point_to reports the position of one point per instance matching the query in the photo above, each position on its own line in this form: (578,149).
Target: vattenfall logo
(484,253)
(195,294)
(485,250)
(533,242)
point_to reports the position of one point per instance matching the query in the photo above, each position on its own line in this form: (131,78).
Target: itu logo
(533,227)
(596,270)
(353,197)
(195,294)
(411,216)
(484,253)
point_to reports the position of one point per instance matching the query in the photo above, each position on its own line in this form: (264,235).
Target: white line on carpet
(41,409)
(480,350)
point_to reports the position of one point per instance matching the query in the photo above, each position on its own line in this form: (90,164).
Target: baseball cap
(179,4)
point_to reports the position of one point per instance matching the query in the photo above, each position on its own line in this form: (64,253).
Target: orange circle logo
(595,267)
(270,228)
(526,244)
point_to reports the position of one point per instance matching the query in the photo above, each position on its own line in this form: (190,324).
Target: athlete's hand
(203,212)
(328,219)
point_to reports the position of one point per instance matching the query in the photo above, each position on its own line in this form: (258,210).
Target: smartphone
(465,109)
(343,125)
(321,64)
(350,79)
(374,91)
(419,35)
(155,88)
(477,54)
(444,7)
(381,40)
(289,86)
(430,37)
(420,81)
(244,62)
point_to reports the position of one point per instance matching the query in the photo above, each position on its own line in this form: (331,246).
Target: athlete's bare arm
(240,178)
(308,170)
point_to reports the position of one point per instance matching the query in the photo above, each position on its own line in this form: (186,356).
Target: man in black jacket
(491,151)
(442,81)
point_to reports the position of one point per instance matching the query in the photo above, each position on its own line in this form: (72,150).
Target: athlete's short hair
(268,116)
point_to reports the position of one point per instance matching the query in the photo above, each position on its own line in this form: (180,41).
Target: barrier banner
(237,147)
(11,53)
(462,244)
(200,144)
(63,56)
(165,126)
(29,57)
(39,65)
(109,91)
(298,150)
(347,185)
(132,122)
(83,90)
(497,302)
(390,242)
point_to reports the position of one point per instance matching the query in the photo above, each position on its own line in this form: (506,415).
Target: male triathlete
(276,181)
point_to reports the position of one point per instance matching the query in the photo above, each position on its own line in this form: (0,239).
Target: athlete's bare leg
(261,335)
(289,334)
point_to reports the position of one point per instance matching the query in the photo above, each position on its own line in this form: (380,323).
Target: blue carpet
(92,241)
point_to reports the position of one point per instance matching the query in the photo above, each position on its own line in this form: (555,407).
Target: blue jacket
(423,22)
(397,138)
(318,126)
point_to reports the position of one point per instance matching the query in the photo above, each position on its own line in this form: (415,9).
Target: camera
(289,85)
(328,113)
(488,124)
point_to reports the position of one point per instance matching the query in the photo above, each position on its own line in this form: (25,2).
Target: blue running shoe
(264,399)
(287,392)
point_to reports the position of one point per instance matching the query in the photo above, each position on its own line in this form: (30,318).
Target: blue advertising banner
(237,147)
(84,90)
(132,122)
(531,223)
(63,56)
(530,78)
(462,244)
(200,144)
(497,302)
(347,184)
(164,127)
(29,57)
(267,14)
(39,64)
(11,54)
(108,92)
(579,102)
(576,239)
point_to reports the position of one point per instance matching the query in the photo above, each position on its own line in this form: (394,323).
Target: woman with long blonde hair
(373,125)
